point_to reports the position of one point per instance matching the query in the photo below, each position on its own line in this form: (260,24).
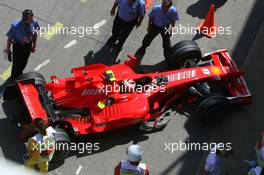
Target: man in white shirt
(215,160)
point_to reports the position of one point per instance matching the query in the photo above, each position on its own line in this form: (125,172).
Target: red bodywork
(82,90)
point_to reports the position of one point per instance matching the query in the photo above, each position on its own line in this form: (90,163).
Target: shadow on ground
(107,141)
(106,55)
(249,33)
(201,7)
(13,148)
(159,67)
(3,87)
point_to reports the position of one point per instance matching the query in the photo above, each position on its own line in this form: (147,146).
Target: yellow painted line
(6,74)
(53,30)
(83,1)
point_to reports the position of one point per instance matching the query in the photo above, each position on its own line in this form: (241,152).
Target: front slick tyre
(212,109)
(183,51)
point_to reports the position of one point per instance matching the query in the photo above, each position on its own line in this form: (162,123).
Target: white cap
(50,132)
(135,153)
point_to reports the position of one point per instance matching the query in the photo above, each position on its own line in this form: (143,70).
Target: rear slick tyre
(39,80)
(63,144)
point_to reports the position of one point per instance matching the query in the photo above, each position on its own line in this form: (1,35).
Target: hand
(8,54)
(33,49)
(7,51)
(112,12)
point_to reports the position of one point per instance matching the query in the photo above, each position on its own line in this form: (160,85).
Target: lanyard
(27,33)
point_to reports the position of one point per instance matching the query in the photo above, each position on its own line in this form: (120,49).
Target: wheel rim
(158,123)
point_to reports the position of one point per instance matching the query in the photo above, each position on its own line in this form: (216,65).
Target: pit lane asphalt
(234,13)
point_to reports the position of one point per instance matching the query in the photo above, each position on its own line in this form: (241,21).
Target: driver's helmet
(129,85)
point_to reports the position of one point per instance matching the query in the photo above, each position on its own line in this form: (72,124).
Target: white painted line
(42,65)
(6,74)
(70,44)
(57,172)
(100,24)
(133,43)
(78,170)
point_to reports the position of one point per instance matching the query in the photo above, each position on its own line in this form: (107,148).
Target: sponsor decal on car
(206,71)
(87,92)
(181,75)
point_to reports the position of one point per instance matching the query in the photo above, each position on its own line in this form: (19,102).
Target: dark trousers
(155,31)
(122,29)
(21,54)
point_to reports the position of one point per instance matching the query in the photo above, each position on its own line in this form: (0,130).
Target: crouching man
(40,147)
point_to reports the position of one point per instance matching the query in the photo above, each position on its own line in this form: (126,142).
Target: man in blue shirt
(130,13)
(23,36)
(161,19)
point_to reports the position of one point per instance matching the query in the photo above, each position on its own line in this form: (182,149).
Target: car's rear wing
(37,101)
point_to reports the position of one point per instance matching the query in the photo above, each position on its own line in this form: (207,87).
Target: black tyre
(35,76)
(183,51)
(212,109)
(11,91)
(63,144)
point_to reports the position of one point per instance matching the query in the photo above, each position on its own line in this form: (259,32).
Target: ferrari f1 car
(99,98)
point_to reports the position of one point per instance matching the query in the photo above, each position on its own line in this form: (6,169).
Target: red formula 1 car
(99,98)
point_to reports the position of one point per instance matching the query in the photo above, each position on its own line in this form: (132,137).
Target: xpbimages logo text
(128,86)
(60,29)
(75,147)
(192,30)
(180,145)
